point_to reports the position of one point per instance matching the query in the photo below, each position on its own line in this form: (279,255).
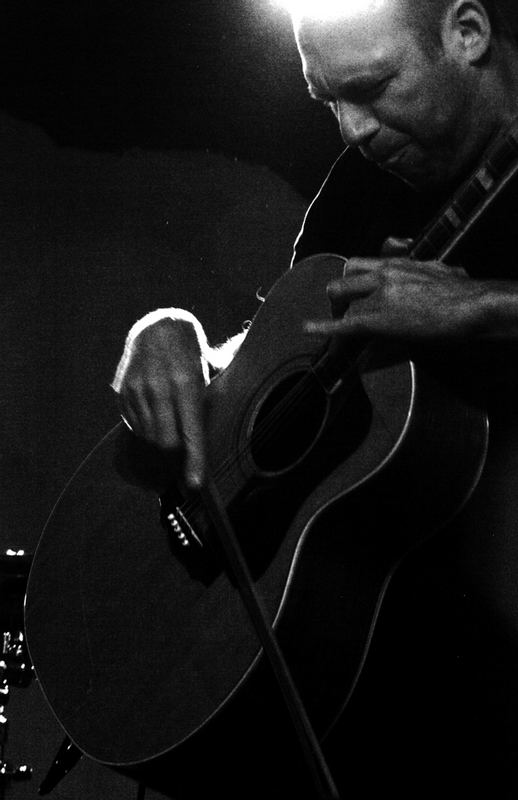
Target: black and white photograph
(259,400)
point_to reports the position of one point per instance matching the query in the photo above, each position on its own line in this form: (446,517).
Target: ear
(467,31)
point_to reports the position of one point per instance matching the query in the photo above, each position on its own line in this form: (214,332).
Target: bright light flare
(328,9)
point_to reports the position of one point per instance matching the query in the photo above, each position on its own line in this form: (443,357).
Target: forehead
(355,42)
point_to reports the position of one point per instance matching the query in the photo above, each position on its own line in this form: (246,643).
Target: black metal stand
(15,667)
(65,759)
(322,778)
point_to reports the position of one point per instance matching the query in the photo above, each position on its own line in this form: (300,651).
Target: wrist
(497,310)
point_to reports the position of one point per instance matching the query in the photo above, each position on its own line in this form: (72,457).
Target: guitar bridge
(177,524)
(185,529)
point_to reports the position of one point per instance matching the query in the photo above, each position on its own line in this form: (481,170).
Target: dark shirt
(359,206)
(438,700)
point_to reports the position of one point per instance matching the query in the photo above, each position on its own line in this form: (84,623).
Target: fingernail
(195,480)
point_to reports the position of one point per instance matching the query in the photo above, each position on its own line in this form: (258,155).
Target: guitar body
(138,636)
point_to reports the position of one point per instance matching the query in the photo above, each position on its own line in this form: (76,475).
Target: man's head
(418,85)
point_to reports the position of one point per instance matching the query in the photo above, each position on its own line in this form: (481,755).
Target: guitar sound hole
(288,423)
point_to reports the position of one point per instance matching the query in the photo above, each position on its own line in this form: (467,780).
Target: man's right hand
(160,381)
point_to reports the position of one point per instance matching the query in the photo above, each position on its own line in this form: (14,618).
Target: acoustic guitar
(327,461)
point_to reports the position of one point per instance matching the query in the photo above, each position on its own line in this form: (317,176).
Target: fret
(453,218)
(431,242)
(484,178)
(471,200)
(470,196)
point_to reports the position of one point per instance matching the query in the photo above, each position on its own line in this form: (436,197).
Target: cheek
(427,106)
(442,104)
(430,119)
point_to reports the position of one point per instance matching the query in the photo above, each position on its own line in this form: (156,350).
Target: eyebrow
(352,87)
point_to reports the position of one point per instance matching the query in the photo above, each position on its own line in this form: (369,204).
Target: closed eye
(363,92)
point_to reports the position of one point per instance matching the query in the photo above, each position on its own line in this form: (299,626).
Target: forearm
(216,358)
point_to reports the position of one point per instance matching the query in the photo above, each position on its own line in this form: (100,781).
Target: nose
(357,123)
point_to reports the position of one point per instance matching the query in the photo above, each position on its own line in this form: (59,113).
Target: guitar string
(264,433)
(303,389)
(274,420)
(504,151)
(442,226)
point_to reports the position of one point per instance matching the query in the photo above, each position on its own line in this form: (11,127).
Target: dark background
(163,74)
(152,153)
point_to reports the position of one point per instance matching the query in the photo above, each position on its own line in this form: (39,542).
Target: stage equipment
(15,667)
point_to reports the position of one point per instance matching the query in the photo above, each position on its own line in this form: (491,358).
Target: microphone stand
(314,757)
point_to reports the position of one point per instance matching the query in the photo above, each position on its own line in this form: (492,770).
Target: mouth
(384,160)
(392,159)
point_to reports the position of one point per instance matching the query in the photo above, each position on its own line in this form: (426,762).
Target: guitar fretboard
(498,167)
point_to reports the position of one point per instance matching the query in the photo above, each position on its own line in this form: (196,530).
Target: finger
(134,410)
(150,411)
(353,286)
(162,429)
(329,327)
(395,246)
(190,415)
(360,265)
(460,272)
(132,419)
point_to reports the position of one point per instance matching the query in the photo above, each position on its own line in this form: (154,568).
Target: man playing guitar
(422,90)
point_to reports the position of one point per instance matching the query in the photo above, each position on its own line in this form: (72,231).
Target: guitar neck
(498,167)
